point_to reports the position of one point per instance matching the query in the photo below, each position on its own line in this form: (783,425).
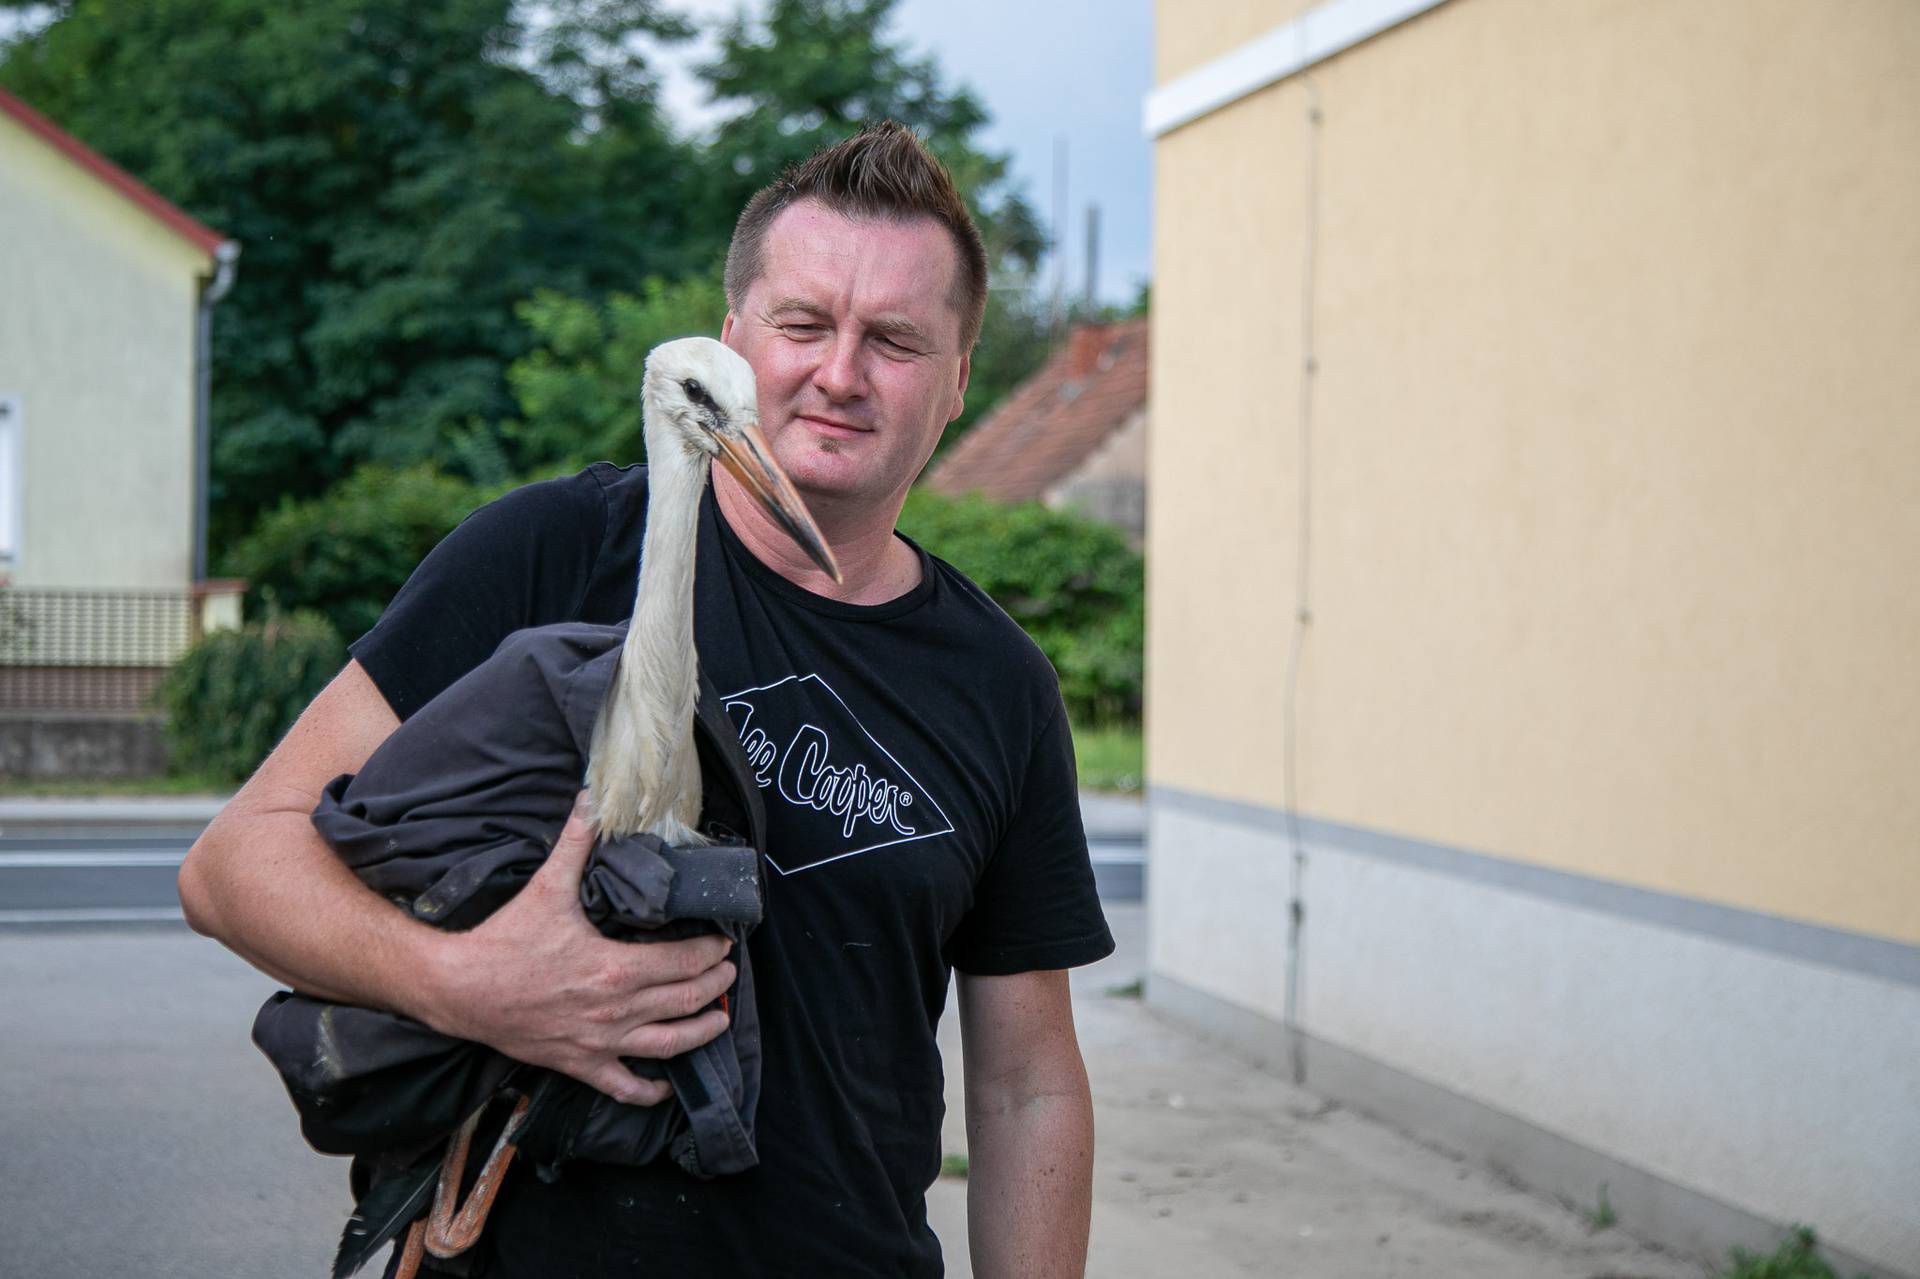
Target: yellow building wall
(96,338)
(1615,469)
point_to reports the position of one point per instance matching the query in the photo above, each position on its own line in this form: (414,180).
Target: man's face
(856,350)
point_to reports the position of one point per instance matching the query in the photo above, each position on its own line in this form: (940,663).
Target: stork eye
(696,392)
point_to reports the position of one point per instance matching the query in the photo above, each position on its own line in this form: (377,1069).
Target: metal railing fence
(79,650)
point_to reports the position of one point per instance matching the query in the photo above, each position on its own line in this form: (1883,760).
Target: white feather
(643,774)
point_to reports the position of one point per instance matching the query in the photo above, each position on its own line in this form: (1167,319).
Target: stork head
(700,400)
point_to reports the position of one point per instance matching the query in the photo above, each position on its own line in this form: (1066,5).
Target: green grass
(1110,759)
(1796,1258)
(953,1166)
(112,788)
(1602,1216)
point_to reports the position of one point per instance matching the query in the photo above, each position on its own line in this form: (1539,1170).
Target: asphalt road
(144,1134)
(66,880)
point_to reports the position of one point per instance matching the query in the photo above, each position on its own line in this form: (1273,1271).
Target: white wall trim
(1879,957)
(1314,36)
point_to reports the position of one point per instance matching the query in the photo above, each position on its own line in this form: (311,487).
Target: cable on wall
(1302,612)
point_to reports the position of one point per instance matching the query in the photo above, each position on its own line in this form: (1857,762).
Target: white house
(103,426)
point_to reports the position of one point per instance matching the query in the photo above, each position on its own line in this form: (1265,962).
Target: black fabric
(449,818)
(922,814)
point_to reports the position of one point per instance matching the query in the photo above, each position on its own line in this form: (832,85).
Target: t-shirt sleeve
(523,560)
(1035,906)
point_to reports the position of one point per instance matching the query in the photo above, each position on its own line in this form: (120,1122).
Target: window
(12,478)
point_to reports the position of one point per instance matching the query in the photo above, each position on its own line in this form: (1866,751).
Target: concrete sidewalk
(109,810)
(1208,1166)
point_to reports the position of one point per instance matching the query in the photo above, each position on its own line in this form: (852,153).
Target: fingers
(683,960)
(663,1039)
(680,999)
(621,1084)
(671,1023)
(568,860)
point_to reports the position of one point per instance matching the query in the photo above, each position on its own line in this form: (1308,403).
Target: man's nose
(841,375)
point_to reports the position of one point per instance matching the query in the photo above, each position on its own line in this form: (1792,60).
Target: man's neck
(875,566)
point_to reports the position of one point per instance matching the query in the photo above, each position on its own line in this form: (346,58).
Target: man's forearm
(262,881)
(269,888)
(1030,1182)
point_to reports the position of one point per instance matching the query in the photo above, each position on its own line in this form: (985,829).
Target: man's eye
(803,330)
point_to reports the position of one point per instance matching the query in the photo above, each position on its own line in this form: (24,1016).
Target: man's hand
(535,980)
(539,983)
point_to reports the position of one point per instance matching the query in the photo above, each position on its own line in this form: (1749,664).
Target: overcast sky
(1045,70)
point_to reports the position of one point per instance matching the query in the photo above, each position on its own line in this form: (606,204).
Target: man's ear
(726,327)
(960,387)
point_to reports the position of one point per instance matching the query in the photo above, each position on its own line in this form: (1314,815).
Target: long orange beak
(749,459)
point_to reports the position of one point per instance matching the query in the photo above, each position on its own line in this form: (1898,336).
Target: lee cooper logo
(842,792)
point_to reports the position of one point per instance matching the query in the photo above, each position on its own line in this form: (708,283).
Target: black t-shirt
(922,811)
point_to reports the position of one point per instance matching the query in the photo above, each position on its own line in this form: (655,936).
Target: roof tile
(1051,423)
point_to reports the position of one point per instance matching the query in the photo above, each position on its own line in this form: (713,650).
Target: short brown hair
(880,172)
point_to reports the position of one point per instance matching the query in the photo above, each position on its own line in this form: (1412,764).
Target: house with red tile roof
(1071,436)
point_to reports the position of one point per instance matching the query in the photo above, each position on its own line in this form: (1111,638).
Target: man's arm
(535,980)
(1029,1127)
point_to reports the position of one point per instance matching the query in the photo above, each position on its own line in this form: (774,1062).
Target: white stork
(698,403)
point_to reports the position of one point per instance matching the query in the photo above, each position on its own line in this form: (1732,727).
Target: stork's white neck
(644,773)
(663,609)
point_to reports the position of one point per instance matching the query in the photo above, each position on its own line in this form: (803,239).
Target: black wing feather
(390,1205)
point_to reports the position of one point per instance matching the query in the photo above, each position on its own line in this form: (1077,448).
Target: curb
(170,811)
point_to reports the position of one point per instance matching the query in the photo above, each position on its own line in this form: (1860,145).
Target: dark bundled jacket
(448,819)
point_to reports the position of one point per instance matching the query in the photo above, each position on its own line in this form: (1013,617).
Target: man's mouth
(832,428)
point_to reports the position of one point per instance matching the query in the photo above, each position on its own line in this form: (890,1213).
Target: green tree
(579,389)
(400,175)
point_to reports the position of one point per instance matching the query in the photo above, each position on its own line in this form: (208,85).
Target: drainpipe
(226,261)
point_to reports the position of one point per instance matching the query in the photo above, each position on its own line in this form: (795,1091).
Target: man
(918,779)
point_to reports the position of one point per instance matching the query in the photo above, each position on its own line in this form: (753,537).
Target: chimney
(1084,348)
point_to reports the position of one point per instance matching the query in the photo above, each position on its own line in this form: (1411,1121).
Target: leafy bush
(236,693)
(1075,586)
(344,554)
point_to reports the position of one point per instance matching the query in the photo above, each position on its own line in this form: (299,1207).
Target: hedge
(235,694)
(345,553)
(1072,583)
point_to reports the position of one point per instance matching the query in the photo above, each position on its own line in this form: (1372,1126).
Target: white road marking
(86,859)
(95,915)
